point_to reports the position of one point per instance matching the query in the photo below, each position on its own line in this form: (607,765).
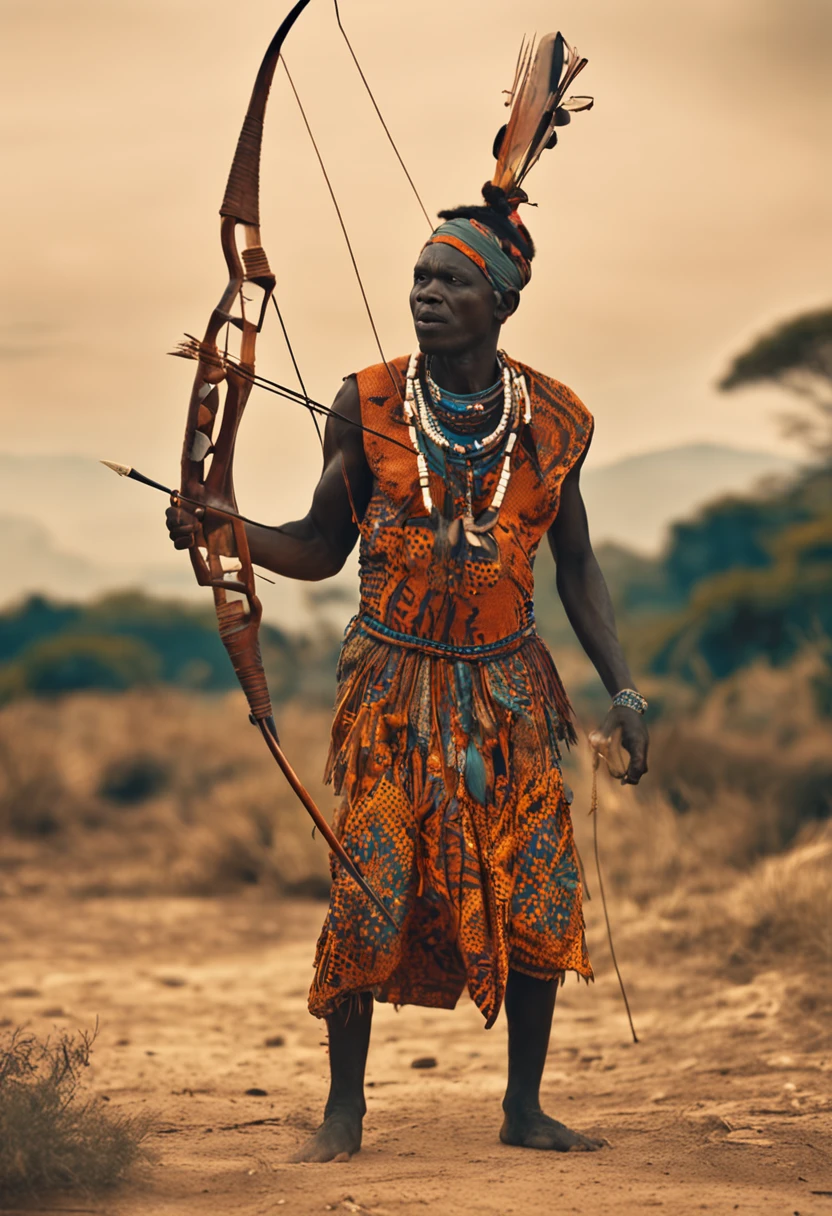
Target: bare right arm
(316,546)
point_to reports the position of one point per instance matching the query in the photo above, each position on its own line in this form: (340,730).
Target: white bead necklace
(417,414)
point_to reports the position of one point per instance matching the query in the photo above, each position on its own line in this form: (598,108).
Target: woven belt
(442,650)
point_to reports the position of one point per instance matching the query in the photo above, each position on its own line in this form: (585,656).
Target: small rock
(423,1062)
(254,1092)
(274,1040)
(53,1012)
(24,993)
(172,981)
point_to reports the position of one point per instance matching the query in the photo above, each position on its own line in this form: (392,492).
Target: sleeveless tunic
(445,741)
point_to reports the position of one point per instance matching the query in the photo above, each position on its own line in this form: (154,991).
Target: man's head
(468,277)
(453,304)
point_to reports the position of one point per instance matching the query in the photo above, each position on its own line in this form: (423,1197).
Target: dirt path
(716,1110)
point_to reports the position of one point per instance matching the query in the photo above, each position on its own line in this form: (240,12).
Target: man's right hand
(183,526)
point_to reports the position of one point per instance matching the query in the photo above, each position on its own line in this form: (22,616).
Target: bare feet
(533,1129)
(338,1137)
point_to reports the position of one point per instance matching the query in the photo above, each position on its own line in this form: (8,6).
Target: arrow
(125,470)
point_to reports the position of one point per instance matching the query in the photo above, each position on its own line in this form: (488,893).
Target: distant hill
(35,562)
(85,509)
(632,501)
(72,531)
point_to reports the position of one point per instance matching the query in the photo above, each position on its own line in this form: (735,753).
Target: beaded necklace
(468,402)
(465,414)
(419,419)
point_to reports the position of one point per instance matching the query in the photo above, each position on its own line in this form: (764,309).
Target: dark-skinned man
(450,714)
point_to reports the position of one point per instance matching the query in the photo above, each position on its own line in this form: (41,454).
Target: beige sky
(687,211)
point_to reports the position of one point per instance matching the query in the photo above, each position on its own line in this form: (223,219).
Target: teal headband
(483,247)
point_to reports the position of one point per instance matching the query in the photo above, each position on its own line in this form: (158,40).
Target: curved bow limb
(221,558)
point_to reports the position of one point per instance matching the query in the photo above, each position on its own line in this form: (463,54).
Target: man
(449,715)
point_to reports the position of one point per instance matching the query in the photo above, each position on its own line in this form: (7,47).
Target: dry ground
(724,1106)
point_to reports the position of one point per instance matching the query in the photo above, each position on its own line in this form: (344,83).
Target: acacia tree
(795,355)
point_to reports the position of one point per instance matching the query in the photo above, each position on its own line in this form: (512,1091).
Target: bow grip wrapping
(242,193)
(236,628)
(239,629)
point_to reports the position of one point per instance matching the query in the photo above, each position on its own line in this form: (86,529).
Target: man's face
(454,306)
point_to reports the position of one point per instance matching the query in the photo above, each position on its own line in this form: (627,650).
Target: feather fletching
(538,106)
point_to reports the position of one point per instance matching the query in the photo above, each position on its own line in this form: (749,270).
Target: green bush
(128,639)
(737,617)
(70,663)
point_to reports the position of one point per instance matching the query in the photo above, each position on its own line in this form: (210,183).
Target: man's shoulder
(389,375)
(552,394)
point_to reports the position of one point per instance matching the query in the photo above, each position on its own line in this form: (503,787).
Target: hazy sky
(687,211)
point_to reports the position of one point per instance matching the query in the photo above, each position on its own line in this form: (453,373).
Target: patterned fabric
(445,743)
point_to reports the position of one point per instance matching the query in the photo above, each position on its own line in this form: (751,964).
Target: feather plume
(538,106)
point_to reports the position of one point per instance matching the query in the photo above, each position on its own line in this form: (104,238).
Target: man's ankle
(350,1108)
(521,1104)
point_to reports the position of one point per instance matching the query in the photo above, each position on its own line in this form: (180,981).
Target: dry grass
(785,907)
(697,883)
(162,792)
(52,1136)
(155,792)
(725,850)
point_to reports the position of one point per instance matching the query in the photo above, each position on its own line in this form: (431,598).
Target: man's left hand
(631,728)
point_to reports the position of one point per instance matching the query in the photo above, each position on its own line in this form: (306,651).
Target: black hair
(494,215)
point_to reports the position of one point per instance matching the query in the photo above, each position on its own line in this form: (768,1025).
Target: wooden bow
(220,556)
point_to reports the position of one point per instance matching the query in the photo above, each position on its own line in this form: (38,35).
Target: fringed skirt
(453,806)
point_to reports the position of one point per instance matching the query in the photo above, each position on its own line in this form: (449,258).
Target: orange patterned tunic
(445,743)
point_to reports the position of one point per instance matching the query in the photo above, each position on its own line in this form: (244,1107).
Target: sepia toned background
(685,213)
(154,873)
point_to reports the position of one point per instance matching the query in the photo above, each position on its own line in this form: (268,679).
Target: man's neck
(470,371)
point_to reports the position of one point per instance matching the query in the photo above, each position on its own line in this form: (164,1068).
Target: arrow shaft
(135,475)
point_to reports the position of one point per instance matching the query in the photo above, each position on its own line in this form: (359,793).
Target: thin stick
(280,390)
(594,813)
(192,349)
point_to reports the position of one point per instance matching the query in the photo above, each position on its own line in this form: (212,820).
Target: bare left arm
(588,606)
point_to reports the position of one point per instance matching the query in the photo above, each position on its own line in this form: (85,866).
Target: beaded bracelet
(630,699)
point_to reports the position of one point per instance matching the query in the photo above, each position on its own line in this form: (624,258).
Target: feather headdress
(538,107)
(493,236)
